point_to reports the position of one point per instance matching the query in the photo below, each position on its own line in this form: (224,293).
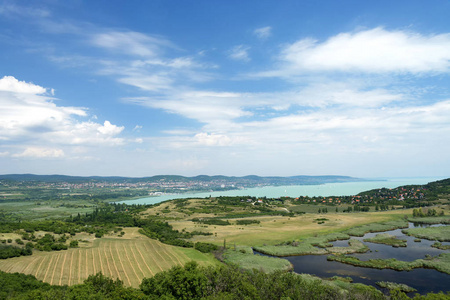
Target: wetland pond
(424,280)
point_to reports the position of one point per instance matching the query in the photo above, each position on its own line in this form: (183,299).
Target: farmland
(128,259)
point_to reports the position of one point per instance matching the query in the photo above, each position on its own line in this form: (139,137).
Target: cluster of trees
(164,232)
(382,207)
(205,247)
(247,222)
(431,212)
(211,221)
(364,208)
(8,251)
(227,282)
(194,282)
(49,243)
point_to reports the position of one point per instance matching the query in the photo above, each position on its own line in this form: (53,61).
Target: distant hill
(250,179)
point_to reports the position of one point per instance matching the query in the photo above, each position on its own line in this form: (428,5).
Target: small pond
(424,280)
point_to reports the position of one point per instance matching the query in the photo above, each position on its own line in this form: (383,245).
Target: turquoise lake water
(328,189)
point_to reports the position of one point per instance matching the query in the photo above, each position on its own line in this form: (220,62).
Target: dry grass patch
(276,229)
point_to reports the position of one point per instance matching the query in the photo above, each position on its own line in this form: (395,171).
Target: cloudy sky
(140,88)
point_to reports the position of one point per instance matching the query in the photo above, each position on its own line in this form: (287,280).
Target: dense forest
(194,282)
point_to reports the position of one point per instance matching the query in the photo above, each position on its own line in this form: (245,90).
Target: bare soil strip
(70,268)
(157,252)
(171,254)
(94,266)
(107,262)
(87,273)
(10,268)
(137,262)
(79,266)
(39,267)
(123,268)
(182,255)
(29,265)
(100,259)
(48,267)
(62,268)
(143,259)
(152,254)
(113,260)
(130,262)
(54,267)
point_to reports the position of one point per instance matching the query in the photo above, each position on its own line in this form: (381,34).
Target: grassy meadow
(272,229)
(387,239)
(244,258)
(40,210)
(441,233)
(440,263)
(129,258)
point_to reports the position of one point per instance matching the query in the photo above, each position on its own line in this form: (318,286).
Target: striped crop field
(130,260)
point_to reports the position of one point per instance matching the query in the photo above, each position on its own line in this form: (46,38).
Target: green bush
(205,247)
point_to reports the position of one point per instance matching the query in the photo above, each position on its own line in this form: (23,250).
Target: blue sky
(139,88)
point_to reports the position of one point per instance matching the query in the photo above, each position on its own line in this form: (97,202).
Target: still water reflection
(424,280)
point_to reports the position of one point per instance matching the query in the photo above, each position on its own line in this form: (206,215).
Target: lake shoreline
(318,190)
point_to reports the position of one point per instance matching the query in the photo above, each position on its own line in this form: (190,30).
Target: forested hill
(251,179)
(432,191)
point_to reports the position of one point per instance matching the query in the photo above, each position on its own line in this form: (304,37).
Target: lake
(424,280)
(328,189)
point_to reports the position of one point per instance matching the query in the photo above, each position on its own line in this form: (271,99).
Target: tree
(186,283)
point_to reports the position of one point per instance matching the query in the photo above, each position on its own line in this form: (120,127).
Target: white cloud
(342,93)
(10,10)
(203,106)
(11,84)
(110,129)
(239,52)
(28,116)
(206,139)
(38,152)
(146,82)
(375,51)
(263,32)
(87,133)
(130,42)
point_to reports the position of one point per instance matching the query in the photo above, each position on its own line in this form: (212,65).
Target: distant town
(46,187)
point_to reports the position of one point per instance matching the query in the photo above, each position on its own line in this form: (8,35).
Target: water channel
(424,280)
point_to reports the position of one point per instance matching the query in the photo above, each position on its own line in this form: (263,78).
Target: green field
(441,263)
(31,210)
(441,233)
(387,239)
(128,259)
(244,258)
